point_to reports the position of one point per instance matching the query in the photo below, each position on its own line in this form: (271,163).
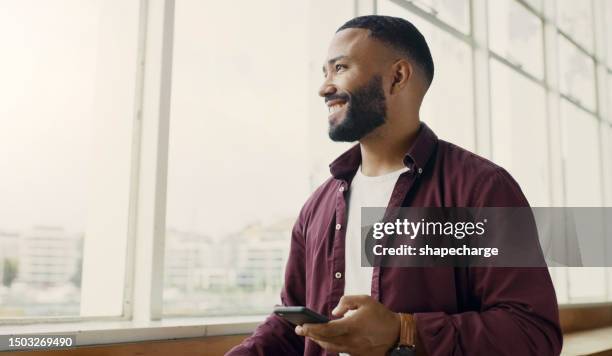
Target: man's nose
(327,89)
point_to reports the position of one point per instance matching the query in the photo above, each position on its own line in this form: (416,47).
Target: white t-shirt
(364,192)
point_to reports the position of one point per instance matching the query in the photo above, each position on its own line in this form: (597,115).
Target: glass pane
(517,103)
(608,9)
(448,106)
(587,284)
(515,33)
(66,116)
(559,279)
(454,12)
(581,156)
(576,19)
(583,188)
(240,115)
(577,74)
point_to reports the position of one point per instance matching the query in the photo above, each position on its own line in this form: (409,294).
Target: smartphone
(299,315)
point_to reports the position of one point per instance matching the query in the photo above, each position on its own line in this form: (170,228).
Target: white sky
(47,89)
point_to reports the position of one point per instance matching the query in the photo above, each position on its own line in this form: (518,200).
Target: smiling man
(377,72)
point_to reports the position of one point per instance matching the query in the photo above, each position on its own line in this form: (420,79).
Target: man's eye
(339,66)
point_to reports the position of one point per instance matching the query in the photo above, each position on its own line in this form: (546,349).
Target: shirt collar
(416,158)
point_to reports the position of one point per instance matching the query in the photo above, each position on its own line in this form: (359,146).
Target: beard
(366,110)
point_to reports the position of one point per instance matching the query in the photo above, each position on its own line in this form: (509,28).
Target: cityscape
(241,273)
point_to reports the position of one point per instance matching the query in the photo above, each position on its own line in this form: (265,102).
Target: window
(240,152)
(577,74)
(515,34)
(454,12)
(575,18)
(587,284)
(519,130)
(448,106)
(608,16)
(583,188)
(66,117)
(581,156)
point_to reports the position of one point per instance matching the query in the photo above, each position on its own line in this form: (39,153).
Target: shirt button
(420,170)
(338,226)
(341,188)
(338,275)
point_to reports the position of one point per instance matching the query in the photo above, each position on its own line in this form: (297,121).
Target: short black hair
(400,34)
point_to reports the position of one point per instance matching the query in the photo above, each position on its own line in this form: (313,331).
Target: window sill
(591,342)
(111,332)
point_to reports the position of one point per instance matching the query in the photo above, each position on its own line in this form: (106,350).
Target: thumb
(348,302)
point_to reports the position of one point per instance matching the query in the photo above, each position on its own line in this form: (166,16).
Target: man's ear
(401,71)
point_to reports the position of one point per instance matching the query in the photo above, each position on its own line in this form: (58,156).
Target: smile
(335,105)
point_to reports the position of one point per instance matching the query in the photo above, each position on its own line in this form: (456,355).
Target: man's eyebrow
(333,60)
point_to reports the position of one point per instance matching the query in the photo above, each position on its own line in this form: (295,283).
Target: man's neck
(384,153)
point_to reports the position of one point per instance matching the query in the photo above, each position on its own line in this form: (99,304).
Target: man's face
(353,86)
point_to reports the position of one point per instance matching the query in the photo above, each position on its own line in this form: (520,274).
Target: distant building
(253,259)
(9,249)
(262,254)
(48,256)
(187,261)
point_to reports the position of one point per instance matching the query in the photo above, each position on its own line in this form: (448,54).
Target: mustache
(340,96)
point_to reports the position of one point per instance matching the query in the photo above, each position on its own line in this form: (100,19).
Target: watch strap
(407,330)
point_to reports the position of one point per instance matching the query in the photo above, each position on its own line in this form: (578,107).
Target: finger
(331,329)
(349,302)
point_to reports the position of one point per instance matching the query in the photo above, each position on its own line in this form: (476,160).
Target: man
(376,75)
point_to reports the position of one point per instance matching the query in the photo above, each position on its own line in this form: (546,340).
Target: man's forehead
(353,42)
(348,41)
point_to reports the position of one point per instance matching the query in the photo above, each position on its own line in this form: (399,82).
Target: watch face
(403,351)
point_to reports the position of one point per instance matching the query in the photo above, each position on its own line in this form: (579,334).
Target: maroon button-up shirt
(458,311)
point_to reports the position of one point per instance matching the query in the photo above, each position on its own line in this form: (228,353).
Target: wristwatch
(403,350)
(406,344)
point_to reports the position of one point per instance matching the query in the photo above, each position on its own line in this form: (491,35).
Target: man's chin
(337,135)
(336,119)
(340,139)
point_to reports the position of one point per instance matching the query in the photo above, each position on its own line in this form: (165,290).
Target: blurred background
(525,83)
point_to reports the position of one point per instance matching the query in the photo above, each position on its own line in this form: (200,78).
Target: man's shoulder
(487,182)
(458,161)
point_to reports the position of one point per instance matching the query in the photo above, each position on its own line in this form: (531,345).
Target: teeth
(335,107)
